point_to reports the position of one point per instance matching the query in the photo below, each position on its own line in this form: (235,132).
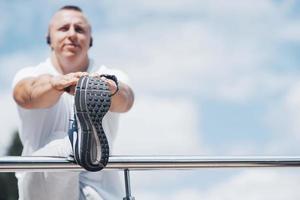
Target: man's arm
(43,91)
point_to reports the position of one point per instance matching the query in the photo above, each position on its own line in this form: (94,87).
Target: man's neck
(69,65)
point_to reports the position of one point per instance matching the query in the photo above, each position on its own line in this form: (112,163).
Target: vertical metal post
(127,186)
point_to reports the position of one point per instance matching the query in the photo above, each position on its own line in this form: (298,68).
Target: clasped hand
(68,82)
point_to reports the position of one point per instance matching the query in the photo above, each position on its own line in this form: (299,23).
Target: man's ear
(91,42)
(48,39)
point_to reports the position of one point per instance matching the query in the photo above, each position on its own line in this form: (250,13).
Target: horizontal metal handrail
(35,164)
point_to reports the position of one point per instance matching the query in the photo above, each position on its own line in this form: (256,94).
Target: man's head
(69,32)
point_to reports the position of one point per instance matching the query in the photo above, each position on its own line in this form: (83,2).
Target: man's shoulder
(33,69)
(30,71)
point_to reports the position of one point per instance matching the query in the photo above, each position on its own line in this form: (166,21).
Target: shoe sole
(92,102)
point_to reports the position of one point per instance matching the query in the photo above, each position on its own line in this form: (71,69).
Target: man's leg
(50,185)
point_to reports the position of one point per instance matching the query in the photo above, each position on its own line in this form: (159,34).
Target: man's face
(70,33)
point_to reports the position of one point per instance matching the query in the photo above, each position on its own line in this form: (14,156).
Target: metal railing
(34,164)
(126,163)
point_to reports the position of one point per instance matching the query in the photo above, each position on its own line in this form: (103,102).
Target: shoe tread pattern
(92,102)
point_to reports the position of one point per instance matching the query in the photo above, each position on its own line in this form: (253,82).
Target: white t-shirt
(43,132)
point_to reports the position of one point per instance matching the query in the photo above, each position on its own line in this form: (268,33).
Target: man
(45,98)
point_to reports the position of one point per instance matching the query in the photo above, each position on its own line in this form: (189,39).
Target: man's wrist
(114,79)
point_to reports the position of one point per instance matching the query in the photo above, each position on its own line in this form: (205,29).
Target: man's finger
(94,74)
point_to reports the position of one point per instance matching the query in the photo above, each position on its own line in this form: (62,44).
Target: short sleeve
(23,73)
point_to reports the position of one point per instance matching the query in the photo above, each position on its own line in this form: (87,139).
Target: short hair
(71,7)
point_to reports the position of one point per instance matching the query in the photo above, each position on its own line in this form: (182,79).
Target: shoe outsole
(92,102)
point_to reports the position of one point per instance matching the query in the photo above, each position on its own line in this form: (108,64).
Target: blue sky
(210,77)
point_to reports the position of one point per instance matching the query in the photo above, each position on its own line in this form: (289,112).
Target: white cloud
(4,23)
(258,185)
(283,118)
(292,31)
(287,110)
(158,126)
(252,184)
(231,8)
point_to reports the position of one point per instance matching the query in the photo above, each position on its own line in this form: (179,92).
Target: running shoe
(87,136)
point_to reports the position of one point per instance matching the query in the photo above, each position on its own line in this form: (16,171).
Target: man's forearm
(123,100)
(36,92)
